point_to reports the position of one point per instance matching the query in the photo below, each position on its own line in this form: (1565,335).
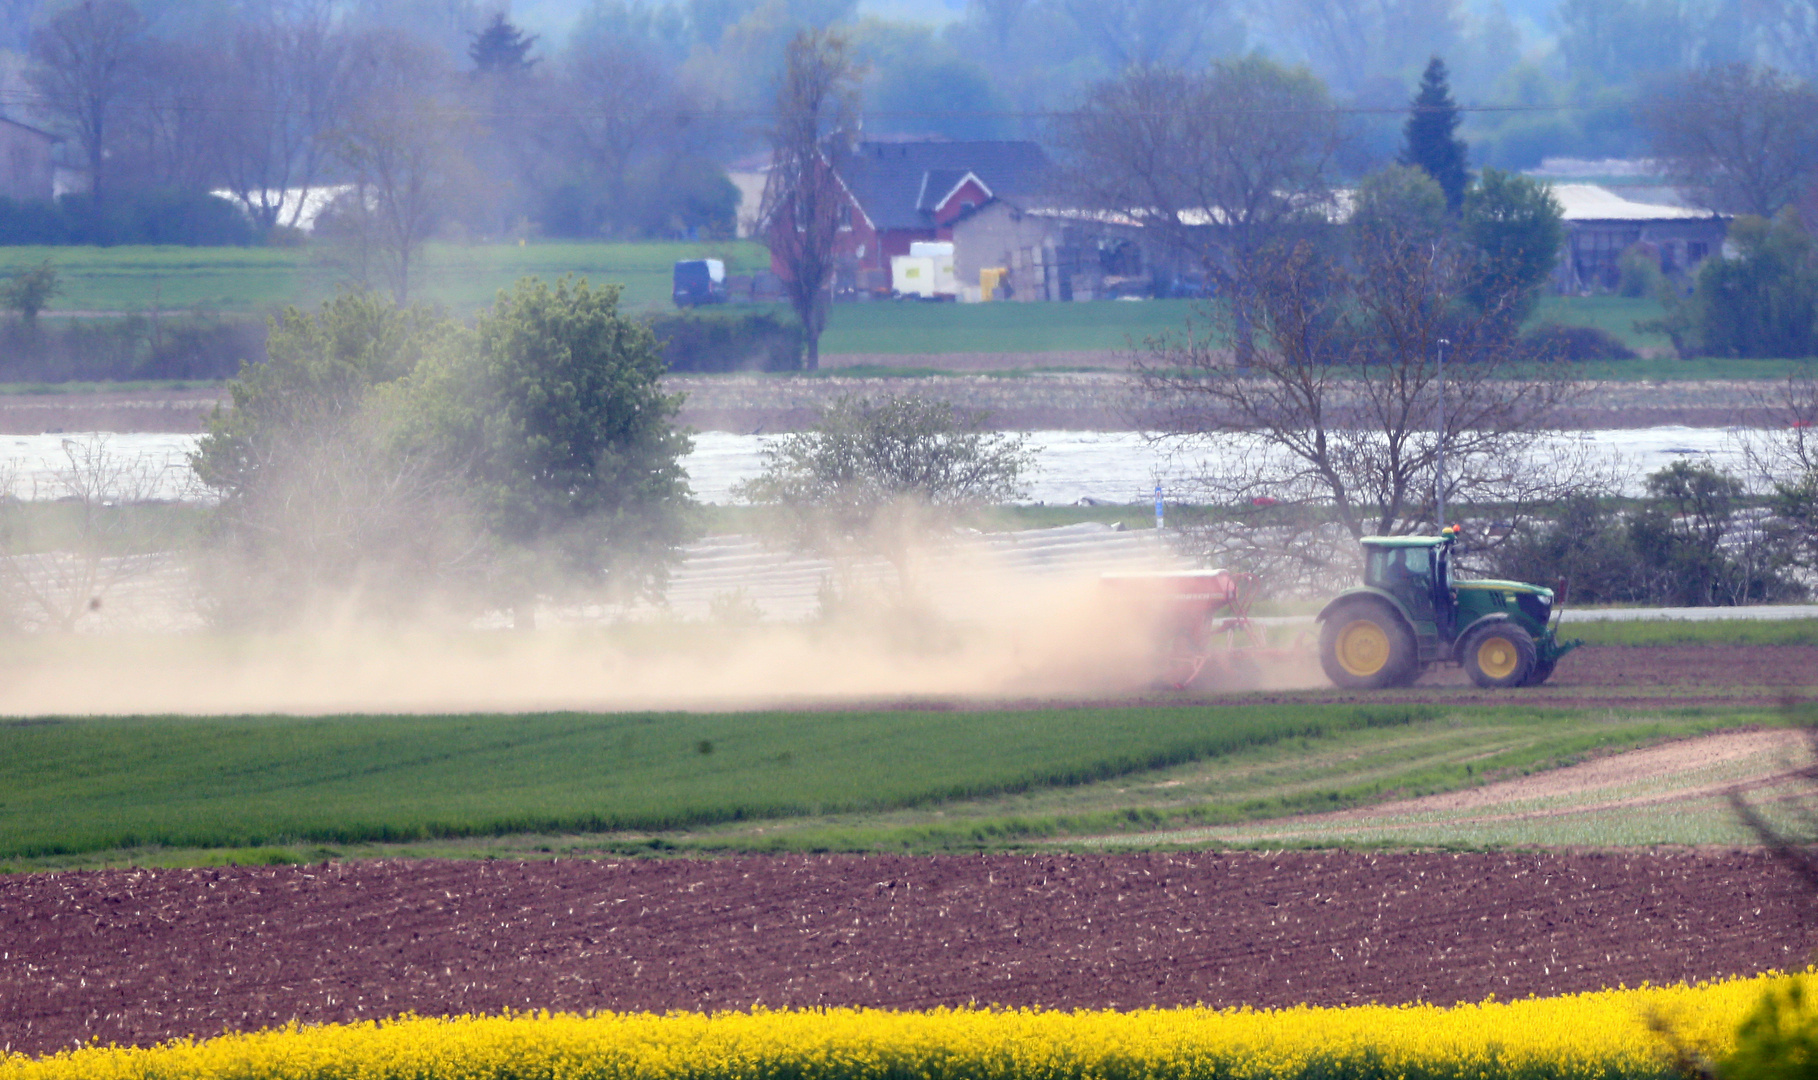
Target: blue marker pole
(1158,506)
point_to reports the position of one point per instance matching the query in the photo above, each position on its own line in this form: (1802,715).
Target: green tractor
(1410,613)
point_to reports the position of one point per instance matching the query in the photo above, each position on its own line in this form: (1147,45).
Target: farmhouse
(905,192)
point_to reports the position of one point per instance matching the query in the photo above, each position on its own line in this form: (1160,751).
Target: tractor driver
(1409,575)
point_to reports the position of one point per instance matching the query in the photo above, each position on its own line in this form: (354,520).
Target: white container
(912,275)
(940,253)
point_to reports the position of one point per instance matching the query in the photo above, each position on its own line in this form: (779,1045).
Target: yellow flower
(1605,1035)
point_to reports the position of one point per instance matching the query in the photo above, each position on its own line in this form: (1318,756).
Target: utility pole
(1439,448)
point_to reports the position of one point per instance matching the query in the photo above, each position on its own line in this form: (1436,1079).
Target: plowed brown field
(1645,676)
(139,956)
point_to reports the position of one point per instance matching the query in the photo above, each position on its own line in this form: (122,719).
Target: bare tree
(167,132)
(1337,413)
(85,62)
(639,136)
(1360,46)
(1212,162)
(1147,33)
(884,477)
(1780,452)
(1785,448)
(1742,139)
(100,534)
(805,204)
(1789,33)
(405,147)
(288,77)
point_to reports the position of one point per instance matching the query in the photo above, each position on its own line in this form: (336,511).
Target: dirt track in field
(1684,777)
(138,956)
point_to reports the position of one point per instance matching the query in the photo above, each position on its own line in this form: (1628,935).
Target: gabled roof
(1588,202)
(898,184)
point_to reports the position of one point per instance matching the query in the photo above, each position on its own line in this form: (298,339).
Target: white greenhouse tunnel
(1106,466)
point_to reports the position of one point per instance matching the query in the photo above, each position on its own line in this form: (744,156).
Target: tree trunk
(812,362)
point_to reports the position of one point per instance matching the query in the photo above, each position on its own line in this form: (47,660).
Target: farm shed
(1601,225)
(1050,254)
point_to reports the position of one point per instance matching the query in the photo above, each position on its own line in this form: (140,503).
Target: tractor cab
(1417,572)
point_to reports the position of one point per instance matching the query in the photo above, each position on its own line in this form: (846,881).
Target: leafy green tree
(1402,205)
(1694,548)
(317,497)
(568,448)
(1515,229)
(1763,302)
(882,476)
(29,290)
(1796,503)
(320,369)
(393,455)
(1586,546)
(1430,137)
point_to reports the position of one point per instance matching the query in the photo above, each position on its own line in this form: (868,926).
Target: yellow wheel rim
(1496,657)
(1363,648)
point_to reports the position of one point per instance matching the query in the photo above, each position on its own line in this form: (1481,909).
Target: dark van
(700,281)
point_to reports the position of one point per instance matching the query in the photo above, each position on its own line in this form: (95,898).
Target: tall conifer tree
(1430,137)
(502,48)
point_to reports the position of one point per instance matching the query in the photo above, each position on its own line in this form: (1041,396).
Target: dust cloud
(981,633)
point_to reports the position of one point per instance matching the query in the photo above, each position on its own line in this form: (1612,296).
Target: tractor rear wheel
(1366,647)
(1499,655)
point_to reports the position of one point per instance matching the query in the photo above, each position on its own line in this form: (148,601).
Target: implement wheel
(1499,655)
(1366,647)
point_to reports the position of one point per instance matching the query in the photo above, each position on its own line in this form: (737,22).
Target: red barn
(903,192)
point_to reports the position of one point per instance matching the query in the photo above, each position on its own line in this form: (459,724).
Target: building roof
(1588,202)
(898,184)
(40,132)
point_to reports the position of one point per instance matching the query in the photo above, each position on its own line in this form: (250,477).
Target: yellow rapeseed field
(1608,1035)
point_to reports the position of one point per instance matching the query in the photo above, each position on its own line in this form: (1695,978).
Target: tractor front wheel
(1543,670)
(1366,647)
(1499,655)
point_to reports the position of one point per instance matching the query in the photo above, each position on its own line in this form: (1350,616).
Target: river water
(1107,466)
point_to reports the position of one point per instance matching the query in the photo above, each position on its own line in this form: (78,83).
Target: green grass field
(103,791)
(461,278)
(465,278)
(898,328)
(1711,632)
